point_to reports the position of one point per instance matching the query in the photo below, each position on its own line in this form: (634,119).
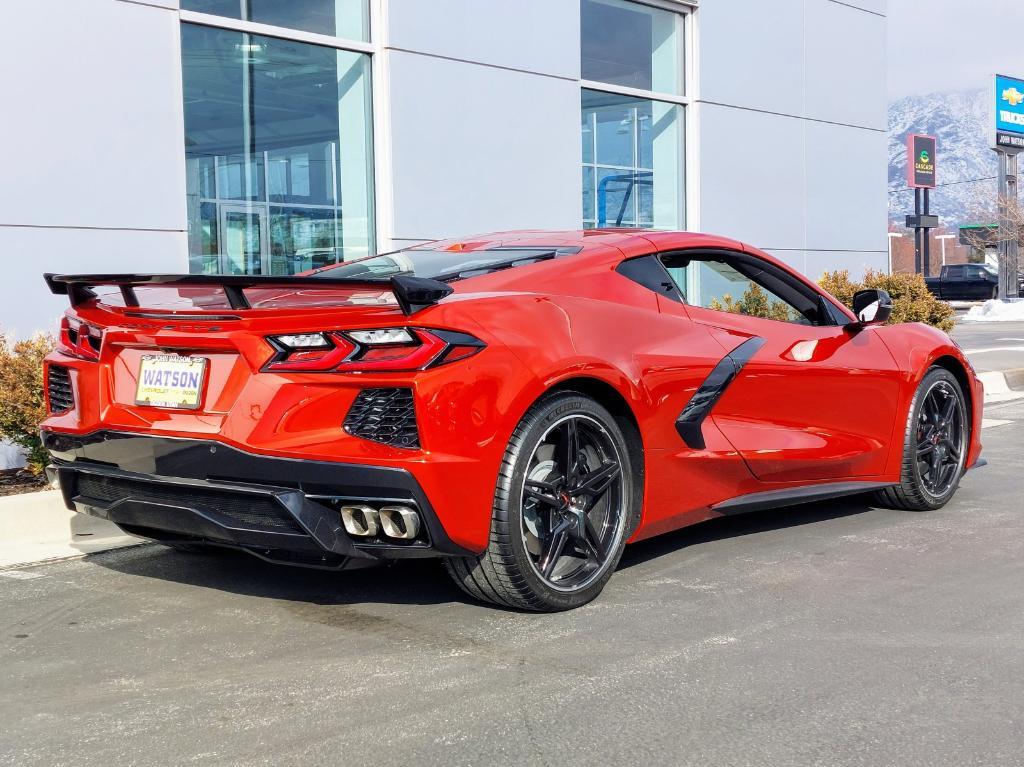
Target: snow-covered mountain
(960,122)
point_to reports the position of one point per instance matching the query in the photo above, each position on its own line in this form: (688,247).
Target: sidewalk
(35,527)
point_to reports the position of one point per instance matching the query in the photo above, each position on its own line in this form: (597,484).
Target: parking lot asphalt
(992,345)
(829,634)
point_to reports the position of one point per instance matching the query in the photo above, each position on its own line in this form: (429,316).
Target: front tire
(934,447)
(563,508)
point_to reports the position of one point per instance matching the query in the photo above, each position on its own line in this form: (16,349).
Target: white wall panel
(847,192)
(27,304)
(92,115)
(477,148)
(534,35)
(846,61)
(752,176)
(752,54)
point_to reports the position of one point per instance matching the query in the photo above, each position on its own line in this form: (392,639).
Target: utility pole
(942,238)
(893,236)
(1008,142)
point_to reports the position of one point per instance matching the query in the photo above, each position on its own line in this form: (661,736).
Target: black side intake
(384,415)
(59,395)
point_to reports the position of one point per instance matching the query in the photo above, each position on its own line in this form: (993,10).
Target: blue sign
(1009,112)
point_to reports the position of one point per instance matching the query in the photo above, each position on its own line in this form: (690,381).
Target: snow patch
(996,311)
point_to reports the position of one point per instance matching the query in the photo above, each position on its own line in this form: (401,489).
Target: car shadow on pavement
(738,525)
(418,582)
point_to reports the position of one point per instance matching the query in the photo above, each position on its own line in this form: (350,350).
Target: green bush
(22,405)
(911,299)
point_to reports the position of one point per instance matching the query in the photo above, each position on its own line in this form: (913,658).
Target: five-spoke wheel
(566,500)
(935,445)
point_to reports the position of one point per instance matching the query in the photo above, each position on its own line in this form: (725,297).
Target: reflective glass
(634,154)
(632,45)
(348,19)
(278,153)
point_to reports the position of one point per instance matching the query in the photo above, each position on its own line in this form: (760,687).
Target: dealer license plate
(170,380)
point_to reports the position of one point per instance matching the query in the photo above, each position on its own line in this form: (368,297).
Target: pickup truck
(965,282)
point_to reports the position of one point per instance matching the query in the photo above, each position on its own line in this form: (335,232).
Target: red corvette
(520,404)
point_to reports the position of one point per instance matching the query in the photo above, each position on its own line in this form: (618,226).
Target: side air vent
(384,415)
(60,395)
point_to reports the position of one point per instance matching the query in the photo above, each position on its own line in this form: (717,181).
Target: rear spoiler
(412,293)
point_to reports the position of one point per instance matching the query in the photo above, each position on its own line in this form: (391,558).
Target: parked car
(521,405)
(965,282)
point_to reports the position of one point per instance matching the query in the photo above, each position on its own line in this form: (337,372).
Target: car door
(812,399)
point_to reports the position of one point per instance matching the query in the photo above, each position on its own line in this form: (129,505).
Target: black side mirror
(872,307)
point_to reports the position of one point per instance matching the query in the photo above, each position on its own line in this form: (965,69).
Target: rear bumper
(282,509)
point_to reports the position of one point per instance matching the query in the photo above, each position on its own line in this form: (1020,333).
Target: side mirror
(872,307)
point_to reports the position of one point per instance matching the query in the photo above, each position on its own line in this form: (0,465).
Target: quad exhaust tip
(399,522)
(360,521)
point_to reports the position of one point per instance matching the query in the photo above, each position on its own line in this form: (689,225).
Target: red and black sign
(921,161)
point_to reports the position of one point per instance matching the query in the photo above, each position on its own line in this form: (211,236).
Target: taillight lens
(79,339)
(387,350)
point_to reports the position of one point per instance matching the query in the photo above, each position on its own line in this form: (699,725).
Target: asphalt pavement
(992,345)
(829,634)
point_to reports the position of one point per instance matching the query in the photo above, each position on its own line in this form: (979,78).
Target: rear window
(441,264)
(213,298)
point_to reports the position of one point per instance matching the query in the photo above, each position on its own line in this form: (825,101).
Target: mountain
(960,122)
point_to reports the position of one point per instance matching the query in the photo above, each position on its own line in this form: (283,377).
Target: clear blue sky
(972,39)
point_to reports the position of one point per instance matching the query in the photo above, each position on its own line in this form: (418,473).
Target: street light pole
(943,238)
(892,236)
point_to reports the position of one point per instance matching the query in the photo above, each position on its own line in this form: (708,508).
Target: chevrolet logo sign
(1013,97)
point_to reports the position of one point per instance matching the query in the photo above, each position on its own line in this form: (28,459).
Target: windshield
(440,264)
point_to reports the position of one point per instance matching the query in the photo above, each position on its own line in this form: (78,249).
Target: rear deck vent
(60,395)
(384,415)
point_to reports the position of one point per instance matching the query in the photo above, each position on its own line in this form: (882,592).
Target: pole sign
(1008,115)
(920,161)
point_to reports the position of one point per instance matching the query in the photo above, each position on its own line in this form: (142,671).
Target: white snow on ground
(996,311)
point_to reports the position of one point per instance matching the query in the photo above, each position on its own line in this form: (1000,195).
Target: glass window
(726,287)
(348,19)
(631,45)
(278,153)
(632,161)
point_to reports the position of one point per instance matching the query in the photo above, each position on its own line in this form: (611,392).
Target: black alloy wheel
(935,447)
(941,439)
(568,496)
(573,502)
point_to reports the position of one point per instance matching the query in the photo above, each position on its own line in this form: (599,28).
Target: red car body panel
(815,404)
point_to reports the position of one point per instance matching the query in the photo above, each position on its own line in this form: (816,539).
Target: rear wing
(412,293)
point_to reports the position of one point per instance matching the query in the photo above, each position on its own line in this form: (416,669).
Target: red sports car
(520,404)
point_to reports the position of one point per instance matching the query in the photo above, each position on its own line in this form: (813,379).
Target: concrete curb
(36,528)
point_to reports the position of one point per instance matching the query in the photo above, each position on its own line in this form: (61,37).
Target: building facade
(269,137)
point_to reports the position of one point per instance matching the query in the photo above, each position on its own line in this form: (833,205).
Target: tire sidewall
(508,506)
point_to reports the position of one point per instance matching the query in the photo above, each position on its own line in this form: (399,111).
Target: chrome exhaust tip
(400,522)
(360,521)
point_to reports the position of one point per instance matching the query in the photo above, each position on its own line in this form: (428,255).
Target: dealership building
(273,136)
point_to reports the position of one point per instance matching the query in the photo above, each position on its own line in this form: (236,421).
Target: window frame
(828,314)
(686,101)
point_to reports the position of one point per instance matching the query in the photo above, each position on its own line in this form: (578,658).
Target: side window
(976,272)
(955,273)
(743,286)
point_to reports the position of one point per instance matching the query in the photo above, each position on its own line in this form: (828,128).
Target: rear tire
(935,444)
(564,505)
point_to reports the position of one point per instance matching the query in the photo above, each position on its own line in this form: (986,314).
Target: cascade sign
(921,161)
(1008,115)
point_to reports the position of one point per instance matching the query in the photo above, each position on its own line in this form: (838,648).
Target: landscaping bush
(911,299)
(22,406)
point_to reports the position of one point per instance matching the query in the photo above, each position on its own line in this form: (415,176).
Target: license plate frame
(172,363)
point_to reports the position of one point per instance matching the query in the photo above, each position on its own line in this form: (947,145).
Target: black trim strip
(690,421)
(773,499)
